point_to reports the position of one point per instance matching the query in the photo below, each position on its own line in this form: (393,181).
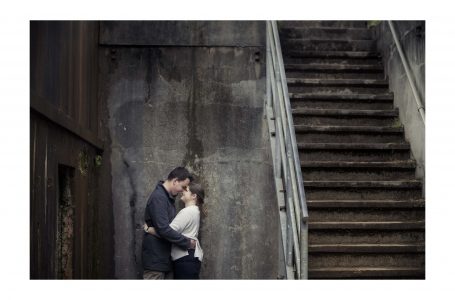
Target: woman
(187,263)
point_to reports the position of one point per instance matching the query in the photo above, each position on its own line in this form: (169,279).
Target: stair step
(325,32)
(397,184)
(317,96)
(345,112)
(373,236)
(338,82)
(346,136)
(389,225)
(365,214)
(366,248)
(332,60)
(358,129)
(353,154)
(418,203)
(357,170)
(330,54)
(306,44)
(334,68)
(341,101)
(407,164)
(325,23)
(356,146)
(366,273)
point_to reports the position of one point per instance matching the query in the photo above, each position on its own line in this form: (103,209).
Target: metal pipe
(302,199)
(279,131)
(304,249)
(420,107)
(297,214)
(290,122)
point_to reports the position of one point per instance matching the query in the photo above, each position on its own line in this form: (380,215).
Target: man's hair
(181,173)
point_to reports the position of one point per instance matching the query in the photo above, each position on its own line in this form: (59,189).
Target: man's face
(179,186)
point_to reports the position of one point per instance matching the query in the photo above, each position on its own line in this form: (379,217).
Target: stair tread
(367,248)
(323,40)
(334,128)
(366,203)
(365,184)
(325,23)
(392,225)
(363,146)
(342,29)
(333,82)
(406,164)
(352,112)
(334,54)
(324,96)
(367,272)
(341,67)
(365,268)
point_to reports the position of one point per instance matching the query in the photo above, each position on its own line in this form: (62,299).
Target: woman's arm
(178,224)
(150,230)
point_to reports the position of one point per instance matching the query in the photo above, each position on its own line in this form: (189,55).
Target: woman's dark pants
(187,267)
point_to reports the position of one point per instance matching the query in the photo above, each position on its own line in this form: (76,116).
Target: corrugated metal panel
(64,132)
(64,69)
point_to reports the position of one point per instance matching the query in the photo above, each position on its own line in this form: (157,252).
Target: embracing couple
(170,247)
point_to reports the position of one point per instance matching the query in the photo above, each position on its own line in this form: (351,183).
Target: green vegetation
(396,123)
(373,23)
(98,161)
(83,162)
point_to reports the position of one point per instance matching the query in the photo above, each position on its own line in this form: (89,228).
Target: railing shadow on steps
(286,162)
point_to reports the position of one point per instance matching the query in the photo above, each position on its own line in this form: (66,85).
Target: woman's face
(186,195)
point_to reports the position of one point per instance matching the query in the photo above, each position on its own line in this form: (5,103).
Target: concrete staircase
(367,215)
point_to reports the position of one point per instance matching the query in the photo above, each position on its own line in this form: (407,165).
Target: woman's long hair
(197,189)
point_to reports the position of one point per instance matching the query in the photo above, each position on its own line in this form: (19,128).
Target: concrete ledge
(183,33)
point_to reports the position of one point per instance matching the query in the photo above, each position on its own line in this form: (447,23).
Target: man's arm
(157,209)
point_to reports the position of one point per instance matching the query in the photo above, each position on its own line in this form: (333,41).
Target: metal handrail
(420,107)
(287,168)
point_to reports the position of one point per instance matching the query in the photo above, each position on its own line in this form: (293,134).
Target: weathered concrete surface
(201,107)
(412,37)
(183,33)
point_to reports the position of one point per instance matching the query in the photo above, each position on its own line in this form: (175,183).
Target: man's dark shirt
(159,213)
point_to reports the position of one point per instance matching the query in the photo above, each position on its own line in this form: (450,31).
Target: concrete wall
(412,38)
(192,94)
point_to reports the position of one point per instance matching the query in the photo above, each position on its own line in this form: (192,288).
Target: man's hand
(192,244)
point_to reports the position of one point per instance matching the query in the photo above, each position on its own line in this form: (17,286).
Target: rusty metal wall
(66,130)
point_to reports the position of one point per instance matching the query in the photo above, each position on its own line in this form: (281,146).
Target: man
(159,212)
